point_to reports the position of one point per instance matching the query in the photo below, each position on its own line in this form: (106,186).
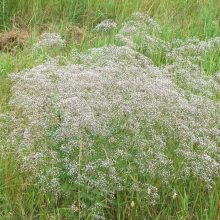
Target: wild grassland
(186,198)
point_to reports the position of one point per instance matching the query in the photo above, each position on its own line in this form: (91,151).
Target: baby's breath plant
(49,40)
(112,121)
(105,26)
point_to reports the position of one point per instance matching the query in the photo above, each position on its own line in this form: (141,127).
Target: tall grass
(184,18)
(30,13)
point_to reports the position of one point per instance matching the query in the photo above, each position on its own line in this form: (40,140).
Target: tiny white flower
(174,195)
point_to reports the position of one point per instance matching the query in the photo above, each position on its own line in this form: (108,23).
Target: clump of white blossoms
(142,31)
(105,26)
(113,121)
(49,40)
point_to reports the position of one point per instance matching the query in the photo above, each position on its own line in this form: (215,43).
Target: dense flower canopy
(111,112)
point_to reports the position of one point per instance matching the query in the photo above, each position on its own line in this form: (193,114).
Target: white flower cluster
(111,115)
(193,48)
(49,40)
(105,26)
(141,30)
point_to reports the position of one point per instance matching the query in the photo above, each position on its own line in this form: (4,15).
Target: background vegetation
(178,18)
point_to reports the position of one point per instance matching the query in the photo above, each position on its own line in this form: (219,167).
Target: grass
(179,18)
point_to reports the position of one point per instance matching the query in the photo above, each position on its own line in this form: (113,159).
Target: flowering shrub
(105,26)
(49,40)
(113,121)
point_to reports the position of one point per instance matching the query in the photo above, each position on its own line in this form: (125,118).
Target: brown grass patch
(75,34)
(12,39)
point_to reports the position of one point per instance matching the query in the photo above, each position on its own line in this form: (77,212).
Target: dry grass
(76,34)
(13,39)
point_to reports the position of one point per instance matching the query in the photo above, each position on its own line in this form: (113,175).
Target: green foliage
(31,13)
